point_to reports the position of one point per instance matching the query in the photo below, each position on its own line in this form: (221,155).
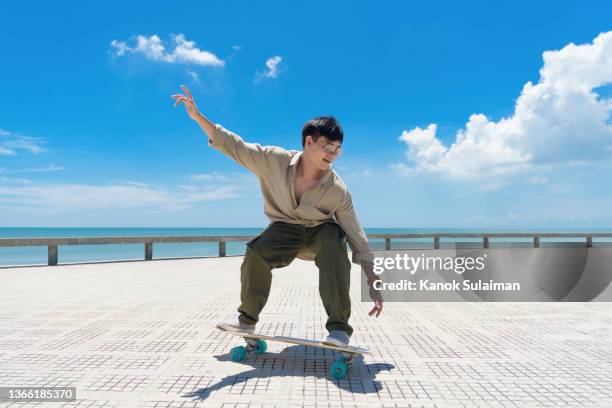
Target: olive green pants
(277,247)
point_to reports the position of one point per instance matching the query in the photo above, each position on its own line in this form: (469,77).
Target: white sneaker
(337,338)
(237,326)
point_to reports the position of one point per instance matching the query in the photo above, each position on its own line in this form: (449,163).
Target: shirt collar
(326,178)
(294,160)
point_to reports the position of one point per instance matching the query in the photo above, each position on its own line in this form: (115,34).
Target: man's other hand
(376,296)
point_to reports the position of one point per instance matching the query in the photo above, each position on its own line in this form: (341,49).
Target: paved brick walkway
(140,334)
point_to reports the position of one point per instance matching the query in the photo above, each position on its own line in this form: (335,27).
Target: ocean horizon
(36,255)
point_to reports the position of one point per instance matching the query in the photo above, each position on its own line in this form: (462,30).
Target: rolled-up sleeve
(249,155)
(357,240)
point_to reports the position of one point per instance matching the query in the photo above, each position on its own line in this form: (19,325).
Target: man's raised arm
(248,155)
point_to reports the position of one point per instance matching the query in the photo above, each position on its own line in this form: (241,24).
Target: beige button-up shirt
(328,200)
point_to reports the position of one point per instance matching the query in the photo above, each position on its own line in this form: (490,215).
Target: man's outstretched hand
(187,100)
(376,296)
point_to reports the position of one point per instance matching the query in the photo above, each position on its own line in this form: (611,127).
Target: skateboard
(256,343)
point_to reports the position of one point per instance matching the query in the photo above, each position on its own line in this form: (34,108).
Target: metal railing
(53,243)
(588,236)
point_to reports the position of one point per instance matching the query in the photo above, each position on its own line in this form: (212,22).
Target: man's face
(321,152)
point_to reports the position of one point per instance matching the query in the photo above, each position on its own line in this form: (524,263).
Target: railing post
(387,244)
(536,242)
(52,254)
(221,248)
(485,242)
(436,242)
(589,242)
(148,251)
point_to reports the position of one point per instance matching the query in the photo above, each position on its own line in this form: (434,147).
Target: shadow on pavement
(360,379)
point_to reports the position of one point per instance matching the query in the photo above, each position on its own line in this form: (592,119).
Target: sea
(37,255)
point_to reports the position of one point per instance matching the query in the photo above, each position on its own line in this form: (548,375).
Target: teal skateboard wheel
(339,369)
(261,346)
(238,353)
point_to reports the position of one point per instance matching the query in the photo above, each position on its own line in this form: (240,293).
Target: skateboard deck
(294,340)
(256,343)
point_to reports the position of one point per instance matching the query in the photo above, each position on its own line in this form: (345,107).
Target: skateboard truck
(256,346)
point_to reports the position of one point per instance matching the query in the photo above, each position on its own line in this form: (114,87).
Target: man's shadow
(360,378)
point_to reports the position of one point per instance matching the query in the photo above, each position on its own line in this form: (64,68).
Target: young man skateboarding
(311,217)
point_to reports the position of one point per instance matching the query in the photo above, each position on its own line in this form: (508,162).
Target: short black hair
(326,126)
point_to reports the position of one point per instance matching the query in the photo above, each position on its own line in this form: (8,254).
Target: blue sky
(456,114)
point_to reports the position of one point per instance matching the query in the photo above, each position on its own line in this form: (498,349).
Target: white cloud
(272,65)
(24,143)
(356,171)
(152,47)
(121,48)
(560,119)
(11,143)
(510,218)
(538,180)
(425,149)
(558,215)
(9,180)
(7,152)
(215,175)
(129,194)
(194,76)
(51,167)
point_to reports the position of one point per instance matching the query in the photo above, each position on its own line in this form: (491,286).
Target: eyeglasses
(332,149)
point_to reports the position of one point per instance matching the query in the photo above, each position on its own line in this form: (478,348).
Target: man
(311,216)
